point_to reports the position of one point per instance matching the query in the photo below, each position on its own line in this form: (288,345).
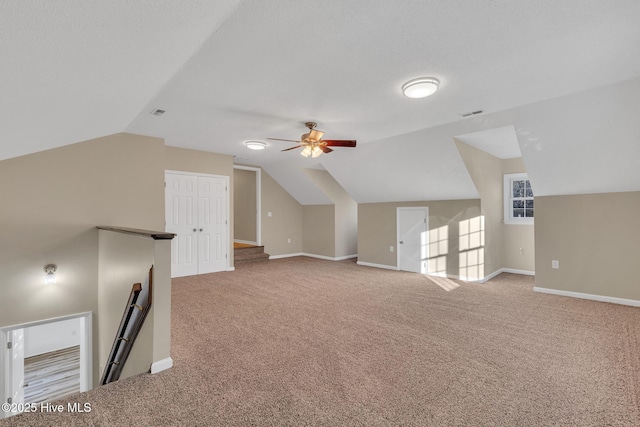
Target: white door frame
(426,227)
(86,352)
(258,172)
(226,183)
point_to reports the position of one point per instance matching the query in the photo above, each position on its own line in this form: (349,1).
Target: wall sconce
(50,276)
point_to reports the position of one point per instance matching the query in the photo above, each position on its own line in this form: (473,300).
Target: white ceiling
(74,70)
(231,71)
(499,142)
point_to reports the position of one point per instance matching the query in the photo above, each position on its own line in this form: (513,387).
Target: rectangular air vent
(473,113)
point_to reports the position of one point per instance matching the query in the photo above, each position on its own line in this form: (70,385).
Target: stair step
(249,250)
(250,258)
(249,255)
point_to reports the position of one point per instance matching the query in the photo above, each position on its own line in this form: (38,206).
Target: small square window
(518,199)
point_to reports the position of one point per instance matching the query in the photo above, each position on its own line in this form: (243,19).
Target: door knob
(201,229)
(194,230)
(402,242)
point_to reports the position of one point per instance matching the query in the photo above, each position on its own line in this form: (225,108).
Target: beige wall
(185,160)
(518,239)
(377,228)
(161,310)
(318,225)
(486,173)
(285,221)
(52,196)
(514,165)
(123,260)
(510,246)
(595,239)
(244,205)
(25,298)
(346,212)
(52,201)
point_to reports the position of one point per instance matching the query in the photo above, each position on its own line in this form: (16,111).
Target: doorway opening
(45,360)
(247,199)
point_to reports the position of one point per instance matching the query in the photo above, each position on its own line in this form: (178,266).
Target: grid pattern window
(518,199)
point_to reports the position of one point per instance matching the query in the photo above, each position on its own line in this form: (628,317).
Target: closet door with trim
(196,210)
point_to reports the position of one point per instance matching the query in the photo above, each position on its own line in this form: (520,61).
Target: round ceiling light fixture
(420,87)
(256,145)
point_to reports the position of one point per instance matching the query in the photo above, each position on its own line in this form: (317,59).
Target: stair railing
(133,318)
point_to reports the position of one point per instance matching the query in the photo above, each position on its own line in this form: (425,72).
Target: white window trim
(508,219)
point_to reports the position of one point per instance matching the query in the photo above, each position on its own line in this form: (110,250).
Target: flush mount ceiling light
(256,145)
(420,87)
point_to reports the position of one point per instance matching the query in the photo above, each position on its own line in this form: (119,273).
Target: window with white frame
(518,199)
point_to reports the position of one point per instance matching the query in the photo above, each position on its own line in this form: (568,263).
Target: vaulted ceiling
(557,82)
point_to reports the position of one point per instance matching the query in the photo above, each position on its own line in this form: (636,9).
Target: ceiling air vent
(473,113)
(157,112)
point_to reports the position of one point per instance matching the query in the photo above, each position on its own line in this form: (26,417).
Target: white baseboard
(328,258)
(161,365)
(504,270)
(371,264)
(246,242)
(342,258)
(489,277)
(601,298)
(285,255)
(515,271)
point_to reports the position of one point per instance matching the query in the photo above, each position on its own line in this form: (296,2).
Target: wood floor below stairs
(245,254)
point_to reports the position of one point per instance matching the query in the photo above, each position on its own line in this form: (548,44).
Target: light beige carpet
(309,342)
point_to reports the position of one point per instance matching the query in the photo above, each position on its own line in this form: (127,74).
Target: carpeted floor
(302,341)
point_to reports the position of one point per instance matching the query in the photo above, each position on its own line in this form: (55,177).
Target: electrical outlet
(390,248)
(555,263)
(289,240)
(269,214)
(521,251)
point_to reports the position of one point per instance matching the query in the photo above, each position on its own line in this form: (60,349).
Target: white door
(412,238)
(196,210)
(181,202)
(212,224)
(16,365)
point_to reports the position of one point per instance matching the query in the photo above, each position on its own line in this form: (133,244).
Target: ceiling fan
(313,143)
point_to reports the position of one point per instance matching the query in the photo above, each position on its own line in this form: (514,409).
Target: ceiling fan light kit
(420,87)
(313,151)
(256,145)
(312,143)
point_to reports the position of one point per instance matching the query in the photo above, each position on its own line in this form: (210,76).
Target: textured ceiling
(231,71)
(74,70)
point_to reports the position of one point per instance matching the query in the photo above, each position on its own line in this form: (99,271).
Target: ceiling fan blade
(292,148)
(340,142)
(325,149)
(287,140)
